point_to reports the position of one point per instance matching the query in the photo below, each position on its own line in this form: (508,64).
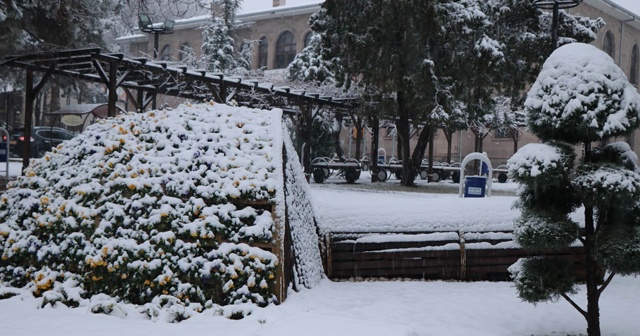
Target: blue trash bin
(474,186)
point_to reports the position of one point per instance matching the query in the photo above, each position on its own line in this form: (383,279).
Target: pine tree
(374,51)
(218,45)
(580,98)
(29,26)
(310,65)
(504,42)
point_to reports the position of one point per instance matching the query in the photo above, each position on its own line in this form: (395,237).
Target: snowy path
(358,309)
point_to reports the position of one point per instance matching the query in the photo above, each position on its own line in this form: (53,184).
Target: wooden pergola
(143,79)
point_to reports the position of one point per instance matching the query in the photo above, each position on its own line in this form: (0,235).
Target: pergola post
(112,87)
(30,96)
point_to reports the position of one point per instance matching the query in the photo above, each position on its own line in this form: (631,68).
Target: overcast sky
(257,5)
(631,5)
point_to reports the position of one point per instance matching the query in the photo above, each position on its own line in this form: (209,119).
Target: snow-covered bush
(581,95)
(170,203)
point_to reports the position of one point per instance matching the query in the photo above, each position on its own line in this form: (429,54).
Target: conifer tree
(218,45)
(581,98)
(383,45)
(310,65)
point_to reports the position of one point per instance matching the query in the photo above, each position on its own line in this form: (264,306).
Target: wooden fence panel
(473,256)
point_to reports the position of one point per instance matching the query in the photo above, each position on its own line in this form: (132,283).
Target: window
(263,52)
(185,50)
(307,39)
(633,71)
(165,54)
(608,45)
(285,50)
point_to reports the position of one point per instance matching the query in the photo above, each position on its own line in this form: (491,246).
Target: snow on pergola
(150,78)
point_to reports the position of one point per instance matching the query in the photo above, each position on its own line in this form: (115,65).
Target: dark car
(43,138)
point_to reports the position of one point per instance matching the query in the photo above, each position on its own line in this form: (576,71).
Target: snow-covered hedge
(581,95)
(143,206)
(535,160)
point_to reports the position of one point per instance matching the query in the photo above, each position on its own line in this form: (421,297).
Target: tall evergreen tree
(310,65)
(503,43)
(580,98)
(385,45)
(218,47)
(218,44)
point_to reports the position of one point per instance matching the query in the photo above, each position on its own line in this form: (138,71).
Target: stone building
(283,31)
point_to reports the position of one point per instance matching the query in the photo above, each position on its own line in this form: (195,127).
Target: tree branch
(606,283)
(575,305)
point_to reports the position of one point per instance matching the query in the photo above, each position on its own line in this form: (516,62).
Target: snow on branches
(581,95)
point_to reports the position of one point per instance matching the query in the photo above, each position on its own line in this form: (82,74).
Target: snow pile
(581,95)
(164,203)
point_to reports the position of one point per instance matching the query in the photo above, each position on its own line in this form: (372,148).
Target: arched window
(635,59)
(165,54)
(307,39)
(285,50)
(608,45)
(185,50)
(263,52)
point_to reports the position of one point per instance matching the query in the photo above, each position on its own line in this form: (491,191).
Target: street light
(555,6)
(145,25)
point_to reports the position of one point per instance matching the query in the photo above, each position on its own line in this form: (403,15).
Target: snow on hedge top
(148,205)
(534,159)
(581,95)
(210,151)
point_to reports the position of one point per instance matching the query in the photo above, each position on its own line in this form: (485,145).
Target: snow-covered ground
(434,308)
(402,308)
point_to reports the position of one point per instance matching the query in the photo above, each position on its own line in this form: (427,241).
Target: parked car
(43,138)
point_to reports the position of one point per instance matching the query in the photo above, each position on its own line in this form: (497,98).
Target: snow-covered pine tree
(504,41)
(218,47)
(310,65)
(580,98)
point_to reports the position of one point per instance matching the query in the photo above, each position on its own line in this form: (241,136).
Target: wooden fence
(431,255)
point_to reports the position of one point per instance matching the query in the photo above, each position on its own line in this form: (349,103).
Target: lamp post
(555,6)
(145,25)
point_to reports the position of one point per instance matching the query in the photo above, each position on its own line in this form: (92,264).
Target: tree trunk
(37,109)
(306,130)
(593,294)
(431,138)
(375,126)
(478,143)
(421,147)
(449,136)
(403,125)
(55,97)
(515,136)
(336,137)
(359,136)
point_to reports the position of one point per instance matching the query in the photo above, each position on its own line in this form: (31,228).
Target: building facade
(283,31)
